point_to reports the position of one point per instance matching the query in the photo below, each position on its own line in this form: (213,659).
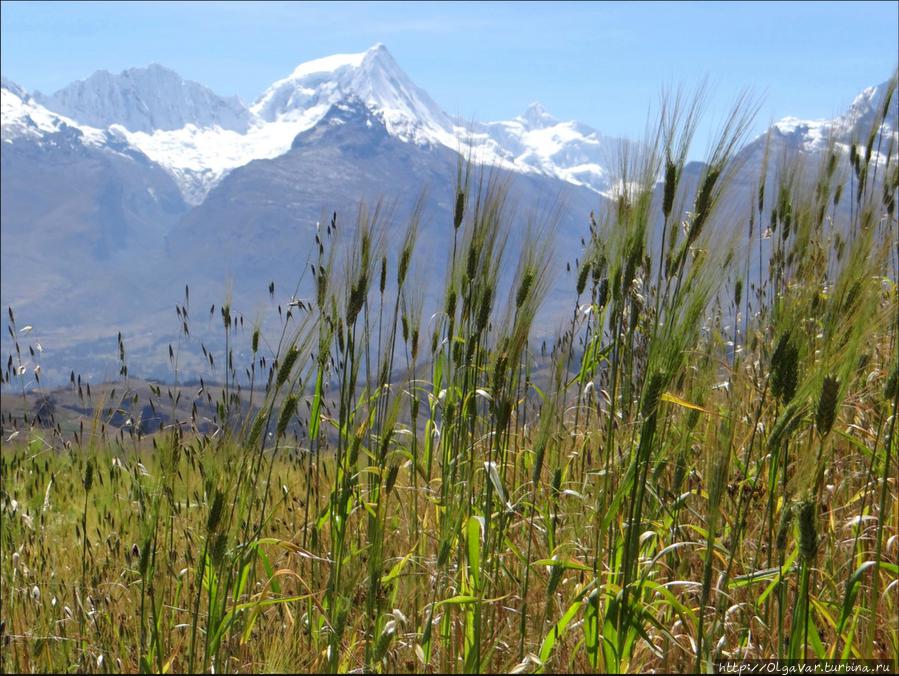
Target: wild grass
(700,466)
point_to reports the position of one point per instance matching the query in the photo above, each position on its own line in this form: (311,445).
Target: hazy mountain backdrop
(119,190)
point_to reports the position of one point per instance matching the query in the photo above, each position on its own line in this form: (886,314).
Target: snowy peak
(805,135)
(383,85)
(303,88)
(26,121)
(23,117)
(853,126)
(373,77)
(12,87)
(868,106)
(535,141)
(536,117)
(146,99)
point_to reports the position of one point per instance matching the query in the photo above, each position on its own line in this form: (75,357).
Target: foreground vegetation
(701,466)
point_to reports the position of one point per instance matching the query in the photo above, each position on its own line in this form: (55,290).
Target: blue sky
(600,63)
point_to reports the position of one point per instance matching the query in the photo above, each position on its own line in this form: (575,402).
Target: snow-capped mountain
(109,206)
(857,123)
(99,177)
(25,120)
(23,117)
(536,141)
(374,78)
(12,87)
(199,156)
(853,126)
(256,224)
(199,136)
(146,99)
(82,214)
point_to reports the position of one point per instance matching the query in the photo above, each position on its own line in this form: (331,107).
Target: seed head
(355,303)
(582,277)
(257,429)
(88,476)
(703,205)
(484,310)
(670,186)
(215,512)
(460,209)
(287,411)
(218,548)
(391,477)
(471,263)
(287,366)
(808,529)
(341,341)
(602,295)
(827,405)
(784,369)
(524,288)
(653,394)
(414,343)
(451,303)
(403,268)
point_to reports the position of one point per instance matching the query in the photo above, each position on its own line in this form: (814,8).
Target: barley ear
(808,529)
(827,405)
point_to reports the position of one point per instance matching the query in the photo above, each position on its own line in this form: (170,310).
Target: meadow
(701,465)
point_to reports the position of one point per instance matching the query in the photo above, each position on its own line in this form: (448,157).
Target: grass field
(701,466)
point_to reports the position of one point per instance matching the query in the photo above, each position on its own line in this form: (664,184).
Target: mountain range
(120,189)
(199,136)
